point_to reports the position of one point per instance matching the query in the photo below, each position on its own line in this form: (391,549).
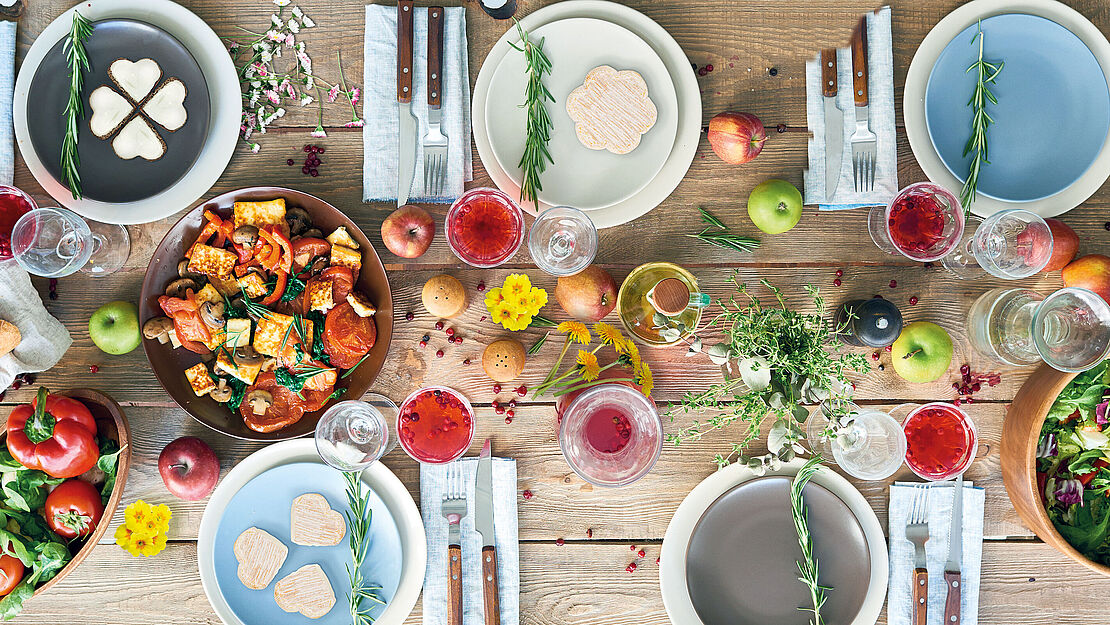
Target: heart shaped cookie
(260,557)
(306,590)
(137,138)
(167,105)
(314,523)
(109,110)
(137,78)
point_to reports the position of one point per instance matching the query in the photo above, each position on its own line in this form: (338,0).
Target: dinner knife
(483,523)
(955,556)
(406,121)
(834,124)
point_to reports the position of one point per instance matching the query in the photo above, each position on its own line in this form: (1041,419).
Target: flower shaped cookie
(611,110)
(130,117)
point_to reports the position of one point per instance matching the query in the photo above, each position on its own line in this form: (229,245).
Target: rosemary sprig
(536,155)
(717,233)
(539,321)
(358,521)
(807,566)
(77,59)
(538,345)
(985,72)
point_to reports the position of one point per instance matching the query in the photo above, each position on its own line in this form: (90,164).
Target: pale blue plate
(264,503)
(1053,108)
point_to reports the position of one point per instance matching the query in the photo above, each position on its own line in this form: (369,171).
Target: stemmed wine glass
(923,222)
(866,443)
(1010,244)
(563,241)
(55,242)
(353,434)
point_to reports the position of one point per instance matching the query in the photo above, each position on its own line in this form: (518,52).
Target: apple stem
(912,354)
(179,466)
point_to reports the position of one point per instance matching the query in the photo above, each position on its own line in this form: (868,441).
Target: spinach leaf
(23,490)
(12,604)
(1089,527)
(108,462)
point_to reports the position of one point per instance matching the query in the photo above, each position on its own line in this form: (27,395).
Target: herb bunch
(985,74)
(536,155)
(363,594)
(808,571)
(77,59)
(717,233)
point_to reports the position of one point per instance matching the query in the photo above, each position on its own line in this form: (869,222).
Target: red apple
(189,468)
(408,231)
(736,137)
(1065,244)
(1090,272)
(588,295)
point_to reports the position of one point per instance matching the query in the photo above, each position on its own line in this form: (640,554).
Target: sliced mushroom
(312,233)
(259,401)
(178,287)
(246,356)
(183,271)
(213,314)
(222,393)
(245,236)
(298,220)
(158,328)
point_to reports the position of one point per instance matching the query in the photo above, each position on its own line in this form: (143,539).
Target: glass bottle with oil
(660,289)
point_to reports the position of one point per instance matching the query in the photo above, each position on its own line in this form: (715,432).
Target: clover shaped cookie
(611,110)
(129,118)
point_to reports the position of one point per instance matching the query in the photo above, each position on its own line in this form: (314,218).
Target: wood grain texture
(491,603)
(454,585)
(920,596)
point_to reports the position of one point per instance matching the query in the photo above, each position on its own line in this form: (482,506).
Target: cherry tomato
(11,573)
(73,509)
(347,336)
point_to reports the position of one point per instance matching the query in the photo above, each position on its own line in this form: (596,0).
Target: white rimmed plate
(377,477)
(913,105)
(686,89)
(672,563)
(226,108)
(580,177)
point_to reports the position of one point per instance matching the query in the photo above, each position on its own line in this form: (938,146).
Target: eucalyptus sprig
(807,566)
(717,233)
(985,74)
(538,131)
(358,514)
(77,59)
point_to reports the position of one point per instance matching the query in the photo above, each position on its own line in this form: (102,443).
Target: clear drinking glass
(611,435)
(872,446)
(484,227)
(923,222)
(563,241)
(353,434)
(941,441)
(1010,244)
(1069,329)
(55,242)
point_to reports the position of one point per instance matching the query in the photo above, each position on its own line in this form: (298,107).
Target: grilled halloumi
(225,285)
(346,257)
(253,284)
(246,373)
(319,295)
(216,338)
(238,333)
(212,261)
(343,238)
(264,213)
(362,304)
(209,294)
(271,331)
(200,379)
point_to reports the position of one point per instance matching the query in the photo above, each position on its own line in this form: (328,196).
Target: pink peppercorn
(527,494)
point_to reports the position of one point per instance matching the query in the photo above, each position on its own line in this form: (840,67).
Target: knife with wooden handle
(859,64)
(955,556)
(406,120)
(483,523)
(834,123)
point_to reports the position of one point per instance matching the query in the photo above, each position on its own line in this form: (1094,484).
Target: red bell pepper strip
(280,254)
(53,434)
(282,278)
(1086,478)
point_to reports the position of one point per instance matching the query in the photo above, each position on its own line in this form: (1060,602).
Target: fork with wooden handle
(454,509)
(917,532)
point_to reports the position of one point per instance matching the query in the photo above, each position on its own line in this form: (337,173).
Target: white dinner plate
(913,105)
(686,89)
(226,108)
(672,561)
(377,477)
(578,176)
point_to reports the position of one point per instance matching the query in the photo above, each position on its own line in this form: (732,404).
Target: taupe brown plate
(169,364)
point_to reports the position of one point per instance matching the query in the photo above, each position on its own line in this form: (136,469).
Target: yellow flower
(644,377)
(162,515)
(137,545)
(522,304)
(517,322)
(123,536)
(149,527)
(576,330)
(588,362)
(608,334)
(517,284)
(633,354)
(493,298)
(537,299)
(135,515)
(154,546)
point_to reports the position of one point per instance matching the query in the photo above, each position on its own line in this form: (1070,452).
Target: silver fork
(863,140)
(917,532)
(454,510)
(435,142)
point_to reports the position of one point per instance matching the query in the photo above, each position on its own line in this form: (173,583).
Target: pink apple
(587,296)
(189,468)
(408,231)
(736,137)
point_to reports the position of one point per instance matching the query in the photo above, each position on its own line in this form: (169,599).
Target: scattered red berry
(16,385)
(631,567)
(641,553)
(965,369)
(836,282)
(560,542)
(527,494)
(499,409)
(702,72)
(589,532)
(510,414)
(423,343)
(874,355)
(496,389)
(632,548)
(512,403)
(839,273)
(508,419)
(307,149)
(781,128)
(708,68)
(450,331)
(657,560)
(890,348)
(956,401)
(439,325)
(482,285)
(466,361)
(913,301)
(893,284)
(521,390)
(290,162)
(409,316)
(439,354)
(92,369)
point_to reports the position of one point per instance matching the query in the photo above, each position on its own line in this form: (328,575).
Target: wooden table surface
(758,49)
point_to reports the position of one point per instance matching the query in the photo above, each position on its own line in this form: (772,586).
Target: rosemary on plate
(536,155)
(717,233)
(363,596)
(985,73)
(77,59)
(807,566)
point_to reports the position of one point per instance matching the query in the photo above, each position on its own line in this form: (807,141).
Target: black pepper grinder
(874,322)
(499,9)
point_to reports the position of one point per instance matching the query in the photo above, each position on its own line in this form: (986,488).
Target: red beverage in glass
(435,425)
(13,205)
(940,441)
(608,429)
(610,434)
(923,222)
(484,227)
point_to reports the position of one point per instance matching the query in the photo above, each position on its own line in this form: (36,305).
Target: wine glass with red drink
(941,441)
(435,425)
(484,227)
(610,434)
(14,204)
(924,222)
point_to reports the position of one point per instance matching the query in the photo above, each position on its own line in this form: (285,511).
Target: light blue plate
(1053,108)
(264,503)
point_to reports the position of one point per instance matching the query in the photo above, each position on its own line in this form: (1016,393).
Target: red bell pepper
(282,278)
(53,434)
(280,255)
(192,332)
(1086,478)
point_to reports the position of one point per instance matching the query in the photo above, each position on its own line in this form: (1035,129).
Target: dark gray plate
(104,176)
(741,563)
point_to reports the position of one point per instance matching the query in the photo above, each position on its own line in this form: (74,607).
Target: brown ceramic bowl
(169,364)
(1020,433)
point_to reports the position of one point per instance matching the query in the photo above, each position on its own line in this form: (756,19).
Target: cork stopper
(670,296)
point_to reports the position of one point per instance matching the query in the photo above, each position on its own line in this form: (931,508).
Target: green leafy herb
(108,463)
(807,566)
(77,59)
(358,514)
(352,369)
(985,74)
(295,380)
(538,128)
(717,233)
(26,536)
(539,321)
(238,391)
(23,490)
(538,345)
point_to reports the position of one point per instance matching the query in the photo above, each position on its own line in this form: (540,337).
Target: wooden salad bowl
(1021,432)
(169,364)
(110,422)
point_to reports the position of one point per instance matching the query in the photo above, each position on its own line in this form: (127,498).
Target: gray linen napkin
(881,115)
(379,135)
(433,480)
(44,338)
(899,599)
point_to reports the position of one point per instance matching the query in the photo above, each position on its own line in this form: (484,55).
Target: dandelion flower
(644,377)
(608,334)
(517,284)
(633,355)
(576,331)
(588,362)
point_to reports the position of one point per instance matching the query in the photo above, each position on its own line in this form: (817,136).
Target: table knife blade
(834,123)
(955,556)
(406,121)
(483,523)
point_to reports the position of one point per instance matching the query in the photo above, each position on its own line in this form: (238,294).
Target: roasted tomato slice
(305,249)
(315,400)
(348,337)
(285,410)
(343,280)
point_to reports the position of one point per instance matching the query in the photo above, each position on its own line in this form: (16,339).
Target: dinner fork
(454,509)
(435,142)
(863,140)
(917,532)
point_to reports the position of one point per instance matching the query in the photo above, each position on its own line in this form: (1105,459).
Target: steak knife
(483,523)
(406,120)
(834,124)
(955,556)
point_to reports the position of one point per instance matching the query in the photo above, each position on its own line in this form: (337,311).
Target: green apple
(114,327)
(775,206)
(922,352)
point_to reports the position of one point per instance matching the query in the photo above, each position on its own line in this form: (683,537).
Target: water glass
(55,242)
(563,241)
(871,445)
(1010,244)
(352,434)
(587,424)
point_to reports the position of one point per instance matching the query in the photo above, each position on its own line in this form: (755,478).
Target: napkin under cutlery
(379,135)
(880,56)
(44,339)
(433,481)
(899,599)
